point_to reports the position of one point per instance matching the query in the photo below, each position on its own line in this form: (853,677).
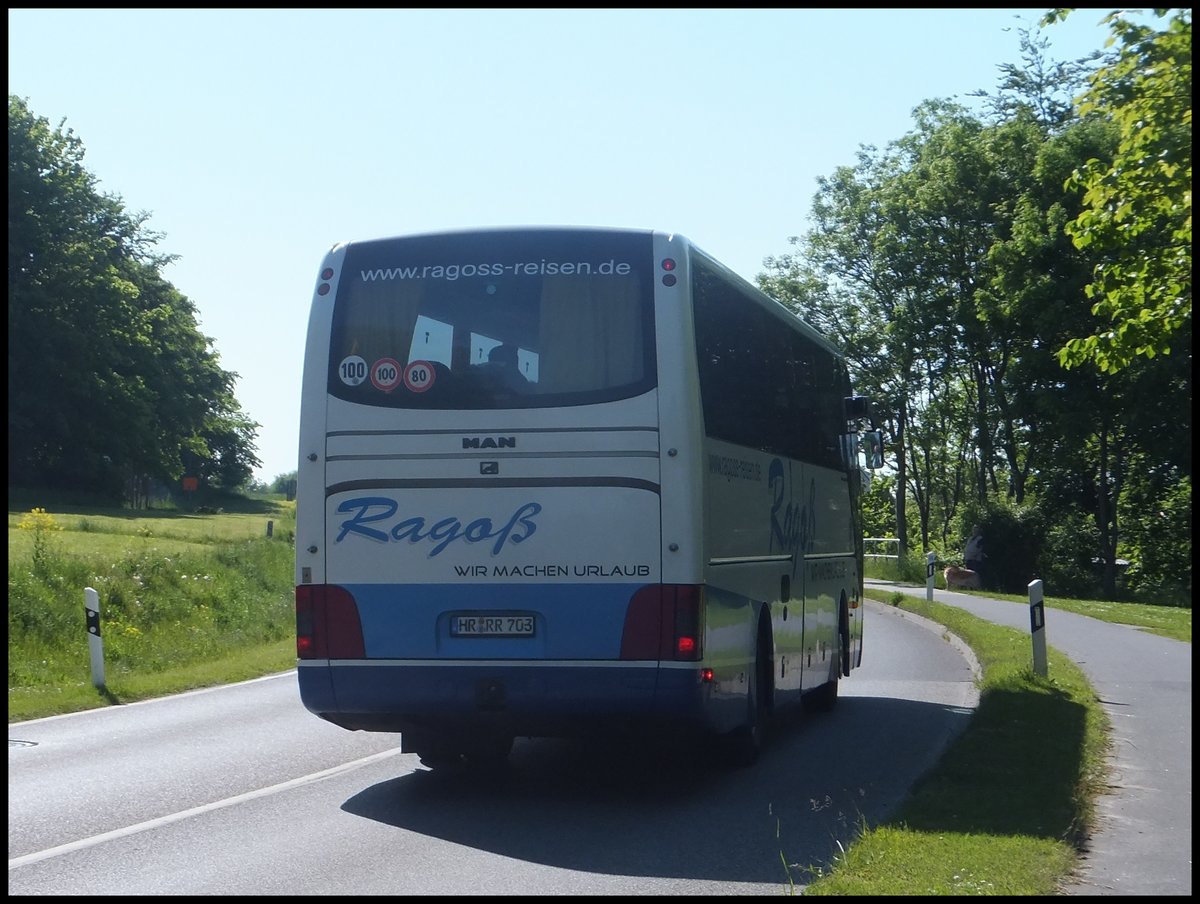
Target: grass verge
(1170,617)
(186,601)
(251,662)
(1006,808)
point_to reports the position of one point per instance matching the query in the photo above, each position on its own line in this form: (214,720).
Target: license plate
(491,624)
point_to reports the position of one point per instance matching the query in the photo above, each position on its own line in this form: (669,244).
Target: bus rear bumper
(542,700)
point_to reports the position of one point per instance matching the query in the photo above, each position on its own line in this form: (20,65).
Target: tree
(944,269)
(284,483)
(1138,217)
(111,382)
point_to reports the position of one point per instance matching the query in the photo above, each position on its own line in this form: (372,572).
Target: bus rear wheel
(744,744)
(824,698)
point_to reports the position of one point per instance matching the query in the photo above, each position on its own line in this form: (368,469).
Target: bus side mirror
(857,407)
(872,446)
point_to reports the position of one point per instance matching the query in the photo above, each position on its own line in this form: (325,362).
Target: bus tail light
(327,623)
(665,621)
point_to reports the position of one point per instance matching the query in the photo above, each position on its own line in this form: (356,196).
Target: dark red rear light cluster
(323,287)
(664,621)
(668,264)
(327,623)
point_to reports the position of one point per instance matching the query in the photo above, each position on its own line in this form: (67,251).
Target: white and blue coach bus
(561,480)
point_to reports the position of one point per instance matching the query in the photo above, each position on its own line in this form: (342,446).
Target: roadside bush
(908,570)
(1065,559)
(1013,537)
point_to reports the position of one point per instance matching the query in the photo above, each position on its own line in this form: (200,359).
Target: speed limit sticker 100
(352,370)
(385,374)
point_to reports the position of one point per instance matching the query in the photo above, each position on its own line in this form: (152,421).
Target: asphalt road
(239,790)
(1143,843)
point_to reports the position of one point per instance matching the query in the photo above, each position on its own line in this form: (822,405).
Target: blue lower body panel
(531,699)
(413,621)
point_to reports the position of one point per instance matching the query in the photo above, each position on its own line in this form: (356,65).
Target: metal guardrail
(892,543)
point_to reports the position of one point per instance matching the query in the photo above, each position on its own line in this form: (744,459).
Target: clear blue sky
(256,139)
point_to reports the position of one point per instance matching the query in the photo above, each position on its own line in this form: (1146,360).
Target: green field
(186,600)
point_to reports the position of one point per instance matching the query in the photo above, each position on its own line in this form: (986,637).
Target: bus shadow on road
(670,810)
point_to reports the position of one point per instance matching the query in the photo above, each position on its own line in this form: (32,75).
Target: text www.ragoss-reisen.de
(524,268)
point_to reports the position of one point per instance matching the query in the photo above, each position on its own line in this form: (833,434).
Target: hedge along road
(1142,844)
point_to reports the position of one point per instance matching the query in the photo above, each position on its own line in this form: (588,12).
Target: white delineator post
(1037,627)
(91,607)
(930,560)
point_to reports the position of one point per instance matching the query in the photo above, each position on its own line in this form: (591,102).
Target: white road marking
(84,843)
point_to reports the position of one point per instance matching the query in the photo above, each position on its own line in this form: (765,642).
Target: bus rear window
(494,320)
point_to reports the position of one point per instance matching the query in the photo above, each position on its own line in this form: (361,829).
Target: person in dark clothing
(502,366)
(973,555)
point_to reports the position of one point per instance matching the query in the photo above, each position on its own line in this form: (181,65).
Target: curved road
(239,790)
(1143,842)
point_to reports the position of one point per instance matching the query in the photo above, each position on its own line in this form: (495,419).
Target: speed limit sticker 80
(419,376)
